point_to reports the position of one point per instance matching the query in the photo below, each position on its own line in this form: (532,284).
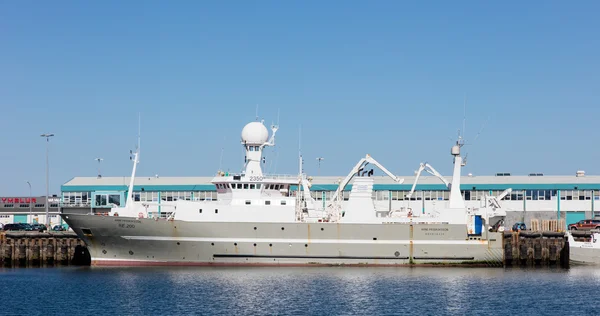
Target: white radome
(255,133)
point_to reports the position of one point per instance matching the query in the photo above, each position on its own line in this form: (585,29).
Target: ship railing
(74,204)
(280,176)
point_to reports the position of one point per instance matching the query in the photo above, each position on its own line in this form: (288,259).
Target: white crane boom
(429,169)
(504,194)
(359,167)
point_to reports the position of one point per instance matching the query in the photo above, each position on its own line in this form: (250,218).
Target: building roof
(330,183)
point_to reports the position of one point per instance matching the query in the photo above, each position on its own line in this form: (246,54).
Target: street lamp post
(319,160)
(99,160)
(30,220)
(47,135)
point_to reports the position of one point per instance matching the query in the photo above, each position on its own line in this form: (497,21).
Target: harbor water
(299,291)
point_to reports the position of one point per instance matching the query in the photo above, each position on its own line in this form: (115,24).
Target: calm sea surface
(299,291)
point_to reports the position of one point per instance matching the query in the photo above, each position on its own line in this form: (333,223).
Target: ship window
(216,211)
(239,185)
(270,187)
(114,199)
(258,186)
(246,186)
(248,202)
(282,202)
(251,148)
(267,202)
(200,211)
(277,187)
(252,186)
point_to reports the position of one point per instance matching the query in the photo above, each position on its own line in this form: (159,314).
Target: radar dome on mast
(455,150)
(255,133)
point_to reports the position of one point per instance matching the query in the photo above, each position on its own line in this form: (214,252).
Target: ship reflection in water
(302,291)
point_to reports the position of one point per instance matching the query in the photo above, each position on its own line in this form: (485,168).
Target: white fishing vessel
(261,219)
(584,249)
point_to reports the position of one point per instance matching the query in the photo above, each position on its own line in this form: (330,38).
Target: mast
(135,159)
(456,199)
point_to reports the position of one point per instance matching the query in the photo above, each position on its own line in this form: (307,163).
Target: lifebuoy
(140,215)
(116,214)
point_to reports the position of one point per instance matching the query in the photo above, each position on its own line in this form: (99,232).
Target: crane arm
(504,194)
(348,178)
(434,172)
(307,197)
(360,165)
(429,169)
(370,159)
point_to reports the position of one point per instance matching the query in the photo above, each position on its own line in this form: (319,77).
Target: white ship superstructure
(259,219)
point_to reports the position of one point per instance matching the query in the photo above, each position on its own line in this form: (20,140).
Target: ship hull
(584,255)
(115,240)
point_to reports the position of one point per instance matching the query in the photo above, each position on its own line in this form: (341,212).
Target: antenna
(222,150)
(139,130)
(300,162)
(257,112)
(464,116)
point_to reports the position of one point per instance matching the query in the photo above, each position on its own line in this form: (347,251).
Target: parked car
(585,224)
(39,227)
(58,228)
(18,226)
(518,226)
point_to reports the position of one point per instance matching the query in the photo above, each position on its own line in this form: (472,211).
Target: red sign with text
(18,200)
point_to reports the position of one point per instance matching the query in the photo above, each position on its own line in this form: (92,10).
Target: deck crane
(335,206)
(429,169)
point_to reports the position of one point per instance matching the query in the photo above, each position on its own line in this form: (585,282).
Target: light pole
(47,177)
(319,160)
(30,219)
(99,160)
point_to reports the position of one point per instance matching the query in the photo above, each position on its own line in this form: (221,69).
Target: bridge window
(248,202)
(283,202)
(245,186)
(239,185)
(267,202)
(252,186)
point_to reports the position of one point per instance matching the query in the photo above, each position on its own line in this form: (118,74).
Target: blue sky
(388,78)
